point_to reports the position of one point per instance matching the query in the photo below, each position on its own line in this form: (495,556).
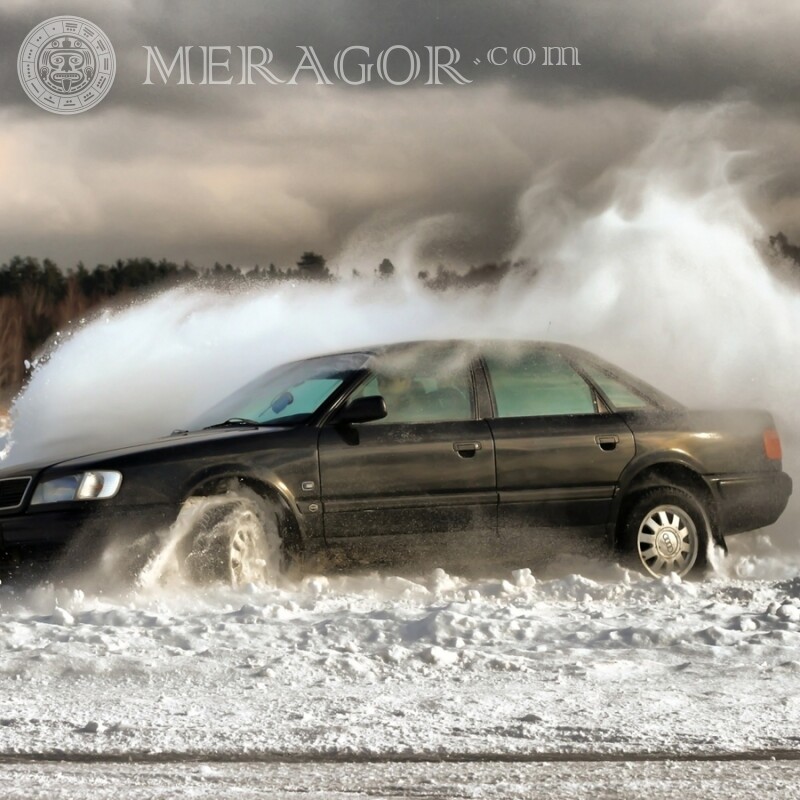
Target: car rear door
(559,455)
(420,482)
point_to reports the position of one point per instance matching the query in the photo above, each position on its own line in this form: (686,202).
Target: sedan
(451,453)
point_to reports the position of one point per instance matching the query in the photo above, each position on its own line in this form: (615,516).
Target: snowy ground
(430,685)
(592,661)
(749,780)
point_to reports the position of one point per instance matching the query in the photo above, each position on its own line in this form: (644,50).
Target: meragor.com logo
(66,65)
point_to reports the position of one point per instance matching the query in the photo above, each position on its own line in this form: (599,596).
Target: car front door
(559,454)
(419,483)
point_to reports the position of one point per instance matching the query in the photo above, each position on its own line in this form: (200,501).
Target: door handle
(607,442)
(466,449)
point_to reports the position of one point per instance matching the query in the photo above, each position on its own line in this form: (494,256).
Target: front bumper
(750,501)
(61,523)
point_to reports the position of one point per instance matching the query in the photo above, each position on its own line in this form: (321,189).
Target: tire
(666,531)
(234,541)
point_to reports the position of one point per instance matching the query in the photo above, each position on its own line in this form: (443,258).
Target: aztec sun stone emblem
(66,65)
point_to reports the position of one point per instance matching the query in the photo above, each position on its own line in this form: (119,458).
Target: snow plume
(662,271)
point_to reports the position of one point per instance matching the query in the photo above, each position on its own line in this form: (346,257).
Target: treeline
(39,298)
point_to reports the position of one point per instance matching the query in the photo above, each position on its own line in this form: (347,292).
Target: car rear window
(620,395)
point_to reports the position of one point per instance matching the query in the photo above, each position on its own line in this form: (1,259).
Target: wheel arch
(269,487)
(664,470)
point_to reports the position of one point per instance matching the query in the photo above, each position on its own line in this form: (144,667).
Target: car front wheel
(666,532)
(234,540)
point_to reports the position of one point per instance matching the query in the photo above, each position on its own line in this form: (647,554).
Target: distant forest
(38,299)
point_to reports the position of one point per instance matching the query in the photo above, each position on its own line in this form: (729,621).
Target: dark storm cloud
(257,173)
(663,53)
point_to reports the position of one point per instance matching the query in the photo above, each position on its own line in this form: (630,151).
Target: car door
(420,482)
(559,456)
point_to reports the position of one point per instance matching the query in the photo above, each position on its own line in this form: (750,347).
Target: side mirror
(362,409)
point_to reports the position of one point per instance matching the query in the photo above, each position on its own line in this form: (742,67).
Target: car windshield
(286,395)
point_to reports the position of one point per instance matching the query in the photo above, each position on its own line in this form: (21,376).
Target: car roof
(476,345)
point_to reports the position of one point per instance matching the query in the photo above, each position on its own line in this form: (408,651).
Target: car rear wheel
(234,540)
(666,532)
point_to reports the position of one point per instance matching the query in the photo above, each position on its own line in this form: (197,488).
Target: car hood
(172,443)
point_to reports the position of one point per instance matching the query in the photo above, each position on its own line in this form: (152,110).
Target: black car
(440,452)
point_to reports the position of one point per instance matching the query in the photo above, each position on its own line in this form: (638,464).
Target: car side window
(537,384)
(423,390)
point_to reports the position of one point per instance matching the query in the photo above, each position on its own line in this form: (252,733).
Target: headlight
(95,485)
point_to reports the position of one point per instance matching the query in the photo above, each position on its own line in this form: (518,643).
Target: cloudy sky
(259,173)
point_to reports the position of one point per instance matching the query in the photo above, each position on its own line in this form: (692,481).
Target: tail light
(772,444)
